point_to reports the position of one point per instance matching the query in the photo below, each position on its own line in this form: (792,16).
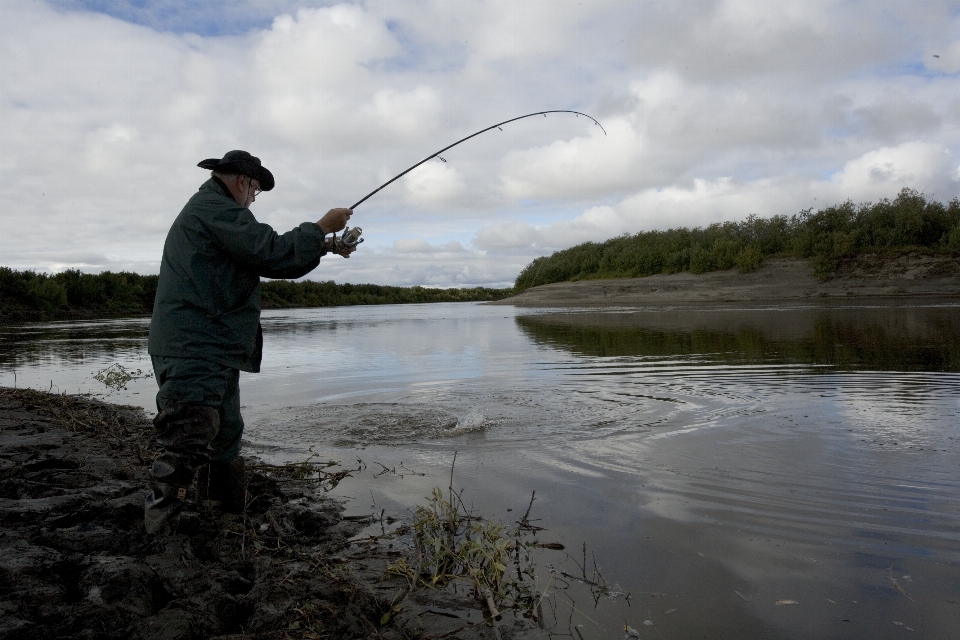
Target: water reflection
(29,344)
(877,339)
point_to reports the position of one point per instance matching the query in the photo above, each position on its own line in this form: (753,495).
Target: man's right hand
(334,220)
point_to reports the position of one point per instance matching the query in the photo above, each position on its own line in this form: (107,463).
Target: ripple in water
(363,424)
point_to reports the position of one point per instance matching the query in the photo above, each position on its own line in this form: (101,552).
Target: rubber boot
(224,485)
(162,506)
(170,476)
(185,433)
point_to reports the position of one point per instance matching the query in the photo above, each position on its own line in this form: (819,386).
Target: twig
(450,486)
(416,473)
(584,580)
(276,526)
(495,615)
(526,516)
(583,567)
(243,540)
(897,584)
(451,525)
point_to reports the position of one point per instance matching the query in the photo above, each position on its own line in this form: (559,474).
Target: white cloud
(597,223)
(417,263)
(877,174)
(406,112)
(924,166)
(715,109)
(308,72)
(574,168)
(718,40)
(946,59)
(434,184)
(419,245)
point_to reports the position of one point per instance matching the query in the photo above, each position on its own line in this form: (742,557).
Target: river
(781,472)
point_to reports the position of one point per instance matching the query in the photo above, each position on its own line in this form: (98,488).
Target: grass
(454,545)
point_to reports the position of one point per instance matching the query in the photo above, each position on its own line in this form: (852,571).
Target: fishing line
(425,178)
(496,126)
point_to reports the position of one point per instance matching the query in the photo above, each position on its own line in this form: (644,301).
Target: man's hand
(334,220)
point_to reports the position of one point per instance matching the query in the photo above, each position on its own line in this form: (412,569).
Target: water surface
(714,461)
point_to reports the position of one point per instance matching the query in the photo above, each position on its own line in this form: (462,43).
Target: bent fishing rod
(351,237)
(473,135)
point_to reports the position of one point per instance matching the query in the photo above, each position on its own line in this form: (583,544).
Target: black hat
(241,163)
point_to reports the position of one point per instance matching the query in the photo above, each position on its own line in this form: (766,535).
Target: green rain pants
(194,381)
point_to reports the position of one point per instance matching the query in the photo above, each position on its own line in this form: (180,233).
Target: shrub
(907,223)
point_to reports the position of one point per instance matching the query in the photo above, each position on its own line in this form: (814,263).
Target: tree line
(72,293)
(284,294)
(910,222)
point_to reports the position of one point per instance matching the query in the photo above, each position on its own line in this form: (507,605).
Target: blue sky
(715,109)
(210,18)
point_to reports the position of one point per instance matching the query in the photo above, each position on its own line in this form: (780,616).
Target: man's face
(249,189)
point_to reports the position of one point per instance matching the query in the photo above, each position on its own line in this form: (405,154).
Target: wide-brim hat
(240,163)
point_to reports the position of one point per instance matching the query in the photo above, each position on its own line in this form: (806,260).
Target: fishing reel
(349,239)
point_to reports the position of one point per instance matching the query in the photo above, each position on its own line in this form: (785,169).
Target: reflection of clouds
(909,410)
(810,469)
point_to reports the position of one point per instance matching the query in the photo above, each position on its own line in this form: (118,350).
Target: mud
(75,561)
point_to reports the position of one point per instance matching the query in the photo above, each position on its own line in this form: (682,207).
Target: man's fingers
(335,219)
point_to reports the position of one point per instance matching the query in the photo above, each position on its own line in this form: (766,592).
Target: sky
(714,110)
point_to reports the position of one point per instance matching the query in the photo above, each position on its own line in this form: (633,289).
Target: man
(206,327)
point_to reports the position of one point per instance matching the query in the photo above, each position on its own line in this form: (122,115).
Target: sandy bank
(778,280)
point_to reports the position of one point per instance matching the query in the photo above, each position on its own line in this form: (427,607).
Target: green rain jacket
(208,296)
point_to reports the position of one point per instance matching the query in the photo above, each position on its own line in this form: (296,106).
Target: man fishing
(205,328)
(206,321)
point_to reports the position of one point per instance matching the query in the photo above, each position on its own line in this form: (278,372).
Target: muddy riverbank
(778,280)
(75,561)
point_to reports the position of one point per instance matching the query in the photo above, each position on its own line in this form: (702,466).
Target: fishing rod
(473,135)
(351,237)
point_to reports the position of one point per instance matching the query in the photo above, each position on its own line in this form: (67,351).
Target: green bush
(71,291)
(907,223)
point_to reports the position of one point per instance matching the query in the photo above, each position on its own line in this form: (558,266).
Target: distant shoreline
(869,277)
(137,300)
(906,277)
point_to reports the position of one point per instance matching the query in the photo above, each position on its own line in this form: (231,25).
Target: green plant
(453,545)
(116,376)
(750,258)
